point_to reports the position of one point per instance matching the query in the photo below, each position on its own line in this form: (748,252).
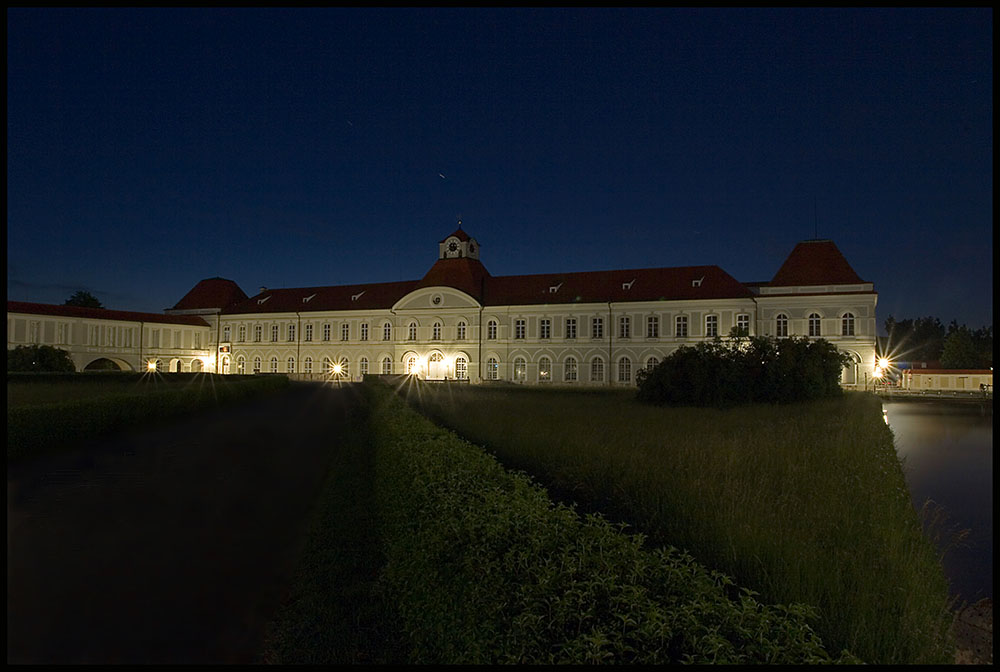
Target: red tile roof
(460,234)
(211,293)
(101,313)
(310,299)
(468,275)
(815,262)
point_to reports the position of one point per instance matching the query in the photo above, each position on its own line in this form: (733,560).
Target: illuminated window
(241,365)
(597,370)
(291,365)
(519,329)
(570,370)
(386,332)
(308,332)
(652,362)
(291,332)
(242,333)
(652,327)
(545,328)
(436,331)
(226,331)
(544,370)
(520,370)
(624,327)
(781,325)
(847,325)
(345,368)
(257,333)
(571,327)
(307,365)
(364,331)
(326,332)
(411,365)
(274,365)
(711,326)
(624,370)
(345,331)
(274,333)
(461,331)
(412,331)
(681,326)
(743,324)
(256,364)
(491,330)
(386,365)
(461,368)
(492,369)
(597,328)
(814,324)
(363,366)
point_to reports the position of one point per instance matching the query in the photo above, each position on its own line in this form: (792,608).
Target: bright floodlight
(151,366)
(337,369)
(883,363)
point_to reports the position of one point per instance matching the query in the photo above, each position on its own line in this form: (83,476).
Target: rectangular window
(545,328)
(225,334)
(197,340)
(309,332)
(624,327)
(712,326)
(652,327)
(274,333)
(364,333)
(345,331)
(743,324)
(291,332)
(257,333)
(461,331)
(242,331)
(491,330)
(326,332)
(597,328)
(571,327)
(518,328)
(387,332)
(682,326)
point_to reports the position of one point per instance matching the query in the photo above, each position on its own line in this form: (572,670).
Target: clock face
(453,246)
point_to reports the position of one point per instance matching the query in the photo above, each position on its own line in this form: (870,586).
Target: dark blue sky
(149,149)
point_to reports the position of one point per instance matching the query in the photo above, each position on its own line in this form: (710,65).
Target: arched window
(781,325)
(520,370)
(386,366)
(241,365)
(158,365)
(274,365)
(570,370)
(651,362)
(491,330)
(386,332)
(345,368)
(492,369)
(307,365)
(624,370)
(363,366)
(597,370)
(412,331)
(461,368)
(225,364)
(814,329)
(411,365)
(196,365)
(291,365)
(544,370)
(327,366)
(461,331)
(847,325)
(256,364)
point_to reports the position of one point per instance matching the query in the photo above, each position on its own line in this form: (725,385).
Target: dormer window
(260,301)
(697,283)
(307,298)
(555,288)
(357,296)
(628,285)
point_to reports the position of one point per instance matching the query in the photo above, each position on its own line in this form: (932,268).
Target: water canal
(947,453)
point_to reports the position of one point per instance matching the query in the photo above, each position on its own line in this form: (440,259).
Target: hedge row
(43,428)
(485,569)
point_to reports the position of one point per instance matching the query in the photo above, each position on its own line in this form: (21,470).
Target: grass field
(802,503)
(37,389)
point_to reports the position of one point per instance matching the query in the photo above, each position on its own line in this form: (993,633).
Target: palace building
(458,322)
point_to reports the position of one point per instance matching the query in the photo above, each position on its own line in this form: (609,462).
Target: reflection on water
(947,452)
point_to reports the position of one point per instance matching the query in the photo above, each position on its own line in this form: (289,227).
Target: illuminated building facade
(460,322)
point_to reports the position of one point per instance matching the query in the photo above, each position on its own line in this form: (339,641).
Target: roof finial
(460,222)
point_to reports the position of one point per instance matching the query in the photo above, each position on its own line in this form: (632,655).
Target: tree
(84,300)
(39,358)
(919,340)
(967,349)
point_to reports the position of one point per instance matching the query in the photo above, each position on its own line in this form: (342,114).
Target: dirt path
(170,545)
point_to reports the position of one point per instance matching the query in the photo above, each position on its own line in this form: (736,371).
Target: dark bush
(740,371)
(39,358)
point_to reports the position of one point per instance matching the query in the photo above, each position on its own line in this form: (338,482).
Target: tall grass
(804,503)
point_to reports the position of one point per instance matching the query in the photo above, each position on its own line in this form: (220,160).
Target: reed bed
(803,503)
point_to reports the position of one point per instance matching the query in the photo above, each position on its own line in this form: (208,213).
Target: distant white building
(949,380)
(460,322)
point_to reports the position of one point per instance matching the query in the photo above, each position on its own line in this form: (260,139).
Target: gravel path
(168,545)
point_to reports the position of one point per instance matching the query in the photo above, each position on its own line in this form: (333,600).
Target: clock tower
(458,245)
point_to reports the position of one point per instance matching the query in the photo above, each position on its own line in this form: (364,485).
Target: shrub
(39,358)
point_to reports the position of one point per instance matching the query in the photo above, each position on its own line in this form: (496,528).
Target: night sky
(149,149)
